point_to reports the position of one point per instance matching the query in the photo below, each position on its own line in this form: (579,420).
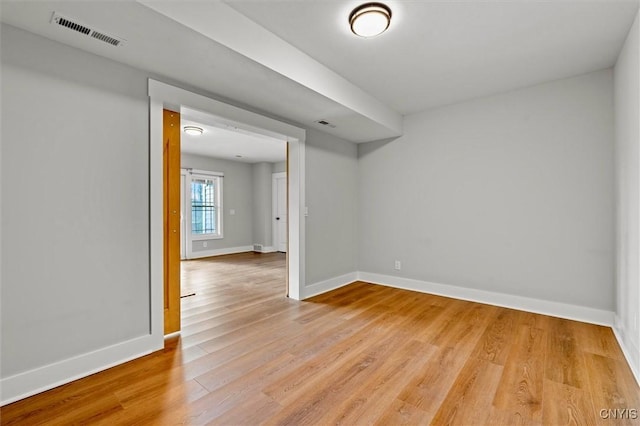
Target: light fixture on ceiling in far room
(370,19)
(193,130)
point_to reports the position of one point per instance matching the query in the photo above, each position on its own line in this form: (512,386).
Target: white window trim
(207,237)
(219,204)
(204,173)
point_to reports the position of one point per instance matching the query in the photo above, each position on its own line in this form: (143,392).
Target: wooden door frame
(171,192)
(162,96)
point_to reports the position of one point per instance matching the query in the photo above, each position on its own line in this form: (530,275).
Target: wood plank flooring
(362,354)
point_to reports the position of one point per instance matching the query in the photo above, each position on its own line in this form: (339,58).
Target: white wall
(75,197)
(247,190)
(627,147)
(262,200)
(510,194)
(75,278)
(237,193)
(331,181)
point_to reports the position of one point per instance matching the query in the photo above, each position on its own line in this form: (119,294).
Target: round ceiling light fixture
(370,19)
(193,130)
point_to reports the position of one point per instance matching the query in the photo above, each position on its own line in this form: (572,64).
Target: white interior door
(280,211)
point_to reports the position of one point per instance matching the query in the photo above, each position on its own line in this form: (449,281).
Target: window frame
(218,177)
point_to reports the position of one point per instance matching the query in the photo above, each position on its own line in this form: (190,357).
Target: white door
(280,211)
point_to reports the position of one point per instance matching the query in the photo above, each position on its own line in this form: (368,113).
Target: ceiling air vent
(326,123)
(74,25)
(107,39)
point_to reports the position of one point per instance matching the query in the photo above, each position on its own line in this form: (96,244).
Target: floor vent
(74,25)
(257,247)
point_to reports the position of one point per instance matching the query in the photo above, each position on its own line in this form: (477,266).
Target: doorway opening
(226,201)
(201,108)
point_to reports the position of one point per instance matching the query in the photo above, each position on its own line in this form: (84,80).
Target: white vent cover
(73,24)
(326,123)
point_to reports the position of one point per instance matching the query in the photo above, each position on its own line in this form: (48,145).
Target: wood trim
(171,211)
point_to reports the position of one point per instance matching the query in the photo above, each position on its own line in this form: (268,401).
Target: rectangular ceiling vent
(106,38)
(74,25)
(326,123)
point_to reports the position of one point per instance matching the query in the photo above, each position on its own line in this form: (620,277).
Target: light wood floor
(362,354)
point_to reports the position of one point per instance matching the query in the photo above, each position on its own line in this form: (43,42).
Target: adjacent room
(233,219)
(295,212)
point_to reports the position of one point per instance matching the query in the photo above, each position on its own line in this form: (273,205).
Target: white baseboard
(44,378)
(538,306)
(545,307)
(220,252)
(630,351)
(38,380)
(268,249)
(328,285)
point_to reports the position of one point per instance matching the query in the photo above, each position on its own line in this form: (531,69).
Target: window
(206,206)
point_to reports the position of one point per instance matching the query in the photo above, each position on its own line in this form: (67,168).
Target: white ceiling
(438,52)
(221,142)
(195,62)
(307,66)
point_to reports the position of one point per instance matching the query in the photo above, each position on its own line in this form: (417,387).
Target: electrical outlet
(398,265)
(204,244)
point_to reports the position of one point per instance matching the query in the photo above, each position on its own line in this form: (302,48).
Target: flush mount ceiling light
(370,19)
(193,130)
